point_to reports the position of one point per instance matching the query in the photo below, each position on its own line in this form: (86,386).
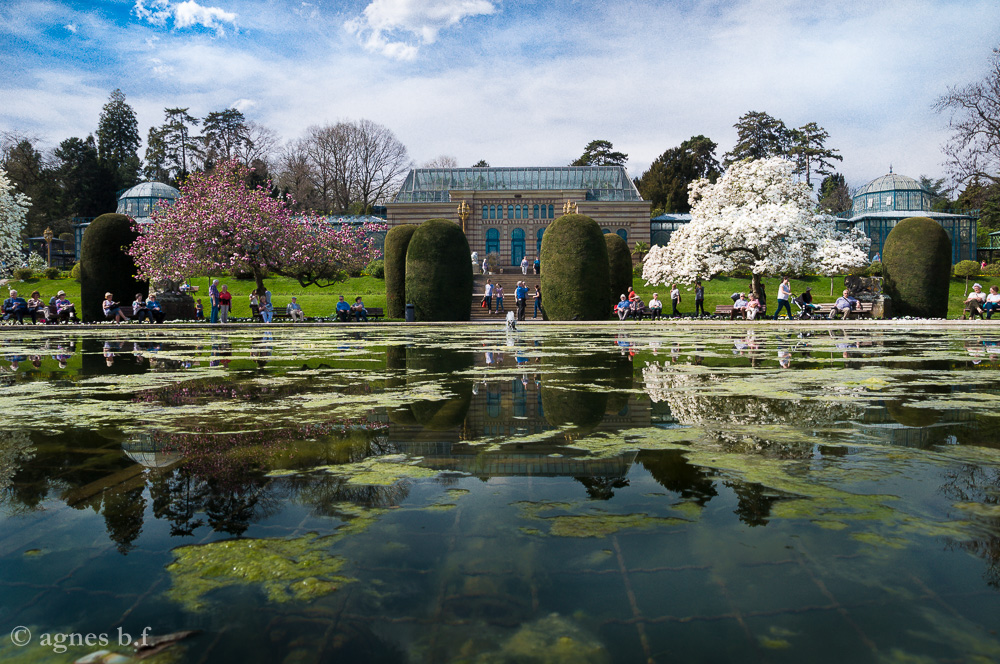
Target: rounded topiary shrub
(438,273)
(105,266)
(376,269)
(74,272)
(575,277)
(394,268)
(916,267)
(619,266)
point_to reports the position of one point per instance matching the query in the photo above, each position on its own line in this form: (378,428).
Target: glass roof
(602,183)
(890,182)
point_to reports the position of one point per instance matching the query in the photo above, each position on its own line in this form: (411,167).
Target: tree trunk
(258,276)
(755,284)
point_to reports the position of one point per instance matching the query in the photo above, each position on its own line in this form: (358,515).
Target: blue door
(492,241)
(516,246)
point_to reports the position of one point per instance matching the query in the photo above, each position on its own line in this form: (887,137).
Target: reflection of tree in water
(16,449)
(979,485)
(328,493)
(670,468)
(177,496)
(123,516)
(602,488)
(754,502)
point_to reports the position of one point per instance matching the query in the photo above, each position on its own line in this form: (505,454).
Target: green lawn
(321,301)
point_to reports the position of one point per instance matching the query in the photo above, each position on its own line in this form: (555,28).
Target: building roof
(151,190)
(890,182)
(673,216)
(601,183)
(906,214)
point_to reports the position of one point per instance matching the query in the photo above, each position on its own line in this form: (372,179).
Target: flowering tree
(755,217)
(221,223)
(13,213)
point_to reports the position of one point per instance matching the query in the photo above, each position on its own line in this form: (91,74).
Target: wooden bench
(727,311)
(862,310)
(374,313)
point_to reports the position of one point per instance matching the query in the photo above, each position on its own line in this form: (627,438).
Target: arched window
(492,240)
(552,212)
(516,246)
(538,247)
(493,212)
(517,211)
(510,211)
(534,212)
(605,230)
(623,234)
(486,212)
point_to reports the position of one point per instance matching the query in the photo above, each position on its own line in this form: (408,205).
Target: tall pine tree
(118,141)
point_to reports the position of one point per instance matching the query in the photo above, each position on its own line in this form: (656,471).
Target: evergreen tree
(86,188)
(666,182)
(118,140)
(759,136)
(808,150)
(482,163)
(224,133)
(600,153)
(834,196)
(940,193)
(156,167)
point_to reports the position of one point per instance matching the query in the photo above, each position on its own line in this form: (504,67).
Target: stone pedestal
(176,306)
(882,307)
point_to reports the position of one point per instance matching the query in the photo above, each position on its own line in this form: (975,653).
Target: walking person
(488,296)
(498,294)
(521,295)
(784,295)
(225,303)
(675,299)
(699,299)
(213,299)
(266,308)
(538,301)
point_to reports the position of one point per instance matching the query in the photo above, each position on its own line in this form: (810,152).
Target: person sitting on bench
(976,301)
(139,310)
(622,308)
(343,310)
(739,306)
(15,307)
(156,314)
(844,305)
(992,302)
(295,311)
(360,313)
(62,309)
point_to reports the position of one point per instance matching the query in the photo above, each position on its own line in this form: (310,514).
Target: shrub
(51,273)
(23,273)
(992,270)
(575,278)
(74,273)
(36,263)
(376,269)
(394,263)
(105,265)
(916,260)
(438,273)
(875,269)
(619,266)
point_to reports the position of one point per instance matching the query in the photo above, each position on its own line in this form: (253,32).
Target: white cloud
(185,14)
(71,27)
(384,24)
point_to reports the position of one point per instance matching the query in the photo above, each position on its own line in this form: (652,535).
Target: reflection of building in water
(543,459)
(145,450)
(909,426)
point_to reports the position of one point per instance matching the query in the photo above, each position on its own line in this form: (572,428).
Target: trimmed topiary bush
(105,266)
(74,272)
(966,269)
(575,276)
(619,266)
(394,266)
(438,272)
(916,264)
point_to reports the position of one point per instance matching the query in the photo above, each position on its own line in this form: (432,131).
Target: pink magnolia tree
(220,223)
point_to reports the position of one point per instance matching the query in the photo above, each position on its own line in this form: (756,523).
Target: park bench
(374,313)
(727,311)
(862,310)
(965,313)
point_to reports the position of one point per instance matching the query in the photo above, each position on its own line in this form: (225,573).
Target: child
(199,311)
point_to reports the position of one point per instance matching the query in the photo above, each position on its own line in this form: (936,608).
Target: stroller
(805,311)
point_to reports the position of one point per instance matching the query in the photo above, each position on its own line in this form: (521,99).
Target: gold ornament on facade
(463,213)
(569,207)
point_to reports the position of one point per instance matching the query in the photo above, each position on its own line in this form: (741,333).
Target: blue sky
(515,83)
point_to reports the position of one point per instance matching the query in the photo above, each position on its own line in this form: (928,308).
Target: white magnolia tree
(13,212)
(756,217)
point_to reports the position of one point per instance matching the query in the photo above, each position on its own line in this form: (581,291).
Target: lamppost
(463,213)
(48,241)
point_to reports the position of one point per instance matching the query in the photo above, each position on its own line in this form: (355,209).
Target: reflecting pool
(408,494)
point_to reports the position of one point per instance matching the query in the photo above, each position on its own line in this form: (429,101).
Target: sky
(515,83)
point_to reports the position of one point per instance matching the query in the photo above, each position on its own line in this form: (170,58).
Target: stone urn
(882,307)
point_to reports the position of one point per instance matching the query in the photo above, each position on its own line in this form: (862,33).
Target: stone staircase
(509,281)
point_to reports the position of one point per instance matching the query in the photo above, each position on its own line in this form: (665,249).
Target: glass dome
(139,201)
(890,193)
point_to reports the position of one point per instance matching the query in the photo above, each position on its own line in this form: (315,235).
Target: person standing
(699,299)
(784,294)
(225,303)
(498,294)
(488,296)
(266,308)
(524,265)
(213,299)
(675,299)
(521,294)
(537,266)
(538,301)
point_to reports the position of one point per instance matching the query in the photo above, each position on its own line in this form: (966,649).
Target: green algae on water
(298,569)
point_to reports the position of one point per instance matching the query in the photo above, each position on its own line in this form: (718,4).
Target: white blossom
(13,213)
(755,217)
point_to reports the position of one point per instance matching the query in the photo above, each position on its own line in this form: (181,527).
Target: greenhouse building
(887,200)
(506,210)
